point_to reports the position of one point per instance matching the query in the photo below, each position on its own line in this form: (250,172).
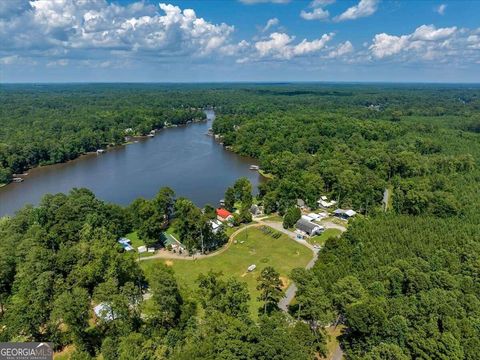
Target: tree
(230,199)
(230,297)
(164,203)
(270,287)
(165,295)
(347,291)
(189,224)
(292,215)
(72,308)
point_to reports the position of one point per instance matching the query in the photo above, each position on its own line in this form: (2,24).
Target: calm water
(184,158)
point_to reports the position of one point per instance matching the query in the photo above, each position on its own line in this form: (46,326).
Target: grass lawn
(172,230)
(277,218)
(332,339)
(252,247)
(320,239)
(136,242)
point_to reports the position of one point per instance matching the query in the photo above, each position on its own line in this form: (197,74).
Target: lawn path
(164,254)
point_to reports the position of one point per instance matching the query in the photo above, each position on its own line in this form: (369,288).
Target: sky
(239,41)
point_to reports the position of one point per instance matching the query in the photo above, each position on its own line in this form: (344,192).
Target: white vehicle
(252,267)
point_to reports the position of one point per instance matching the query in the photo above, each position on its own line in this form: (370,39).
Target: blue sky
(239,40)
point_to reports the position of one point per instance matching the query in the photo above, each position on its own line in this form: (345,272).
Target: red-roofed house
(224,215)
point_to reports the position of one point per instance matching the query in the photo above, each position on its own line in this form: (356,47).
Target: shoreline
(111,147)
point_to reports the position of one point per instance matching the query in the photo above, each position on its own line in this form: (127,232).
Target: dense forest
(44,125)
(60,259)
(403,281)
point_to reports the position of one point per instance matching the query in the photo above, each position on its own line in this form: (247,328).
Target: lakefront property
(240,180)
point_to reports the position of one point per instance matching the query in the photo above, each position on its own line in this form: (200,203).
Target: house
(308,227)
(256,210)
(171,242)
(224,215)
(215,225)
(125,243)
(344,214)
(315,217)
(324,203)
(307,218)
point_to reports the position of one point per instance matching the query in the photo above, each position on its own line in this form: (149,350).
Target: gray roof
(300,202)
(306,226)
(348,212)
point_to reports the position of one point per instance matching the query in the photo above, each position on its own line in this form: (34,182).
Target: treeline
(47,126)
(406,287)
(61,260)
(402,285)
(312,151)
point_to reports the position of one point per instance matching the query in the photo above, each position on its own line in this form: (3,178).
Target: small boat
(254,167)
(100,151)
(17,180)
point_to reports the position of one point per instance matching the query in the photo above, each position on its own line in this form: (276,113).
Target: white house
(215,225)
(324,203)
(344,214)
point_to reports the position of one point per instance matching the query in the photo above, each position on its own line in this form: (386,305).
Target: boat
(254,167)
(100,151)
(17,180)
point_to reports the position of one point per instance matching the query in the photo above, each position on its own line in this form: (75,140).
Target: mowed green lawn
(251,247)
(320,239)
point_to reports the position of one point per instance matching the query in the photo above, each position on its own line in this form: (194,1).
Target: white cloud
(72,25)
(430,33)
(250,2)
(318,12)
(441,9)
(341,50)
(271,23)
(363,9)
(9,60)
(56,63)
(426,43)
(319,3)
(279,46)
(315,14)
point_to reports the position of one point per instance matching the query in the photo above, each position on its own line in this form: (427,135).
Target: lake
(183,158)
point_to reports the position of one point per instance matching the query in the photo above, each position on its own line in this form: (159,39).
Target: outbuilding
(308,227)
(344,214)
(324,203)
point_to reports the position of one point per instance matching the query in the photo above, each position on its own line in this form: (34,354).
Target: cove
(183,158)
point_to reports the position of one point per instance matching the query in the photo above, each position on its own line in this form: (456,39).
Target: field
(252,246)
(320,239)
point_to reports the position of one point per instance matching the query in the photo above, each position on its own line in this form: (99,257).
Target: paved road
(292,289)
